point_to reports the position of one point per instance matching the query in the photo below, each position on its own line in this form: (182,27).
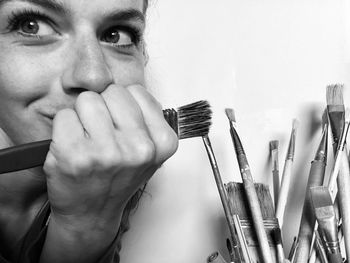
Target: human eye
(30,23)
(122,37)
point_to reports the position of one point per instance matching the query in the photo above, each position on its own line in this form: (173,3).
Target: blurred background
(271,61)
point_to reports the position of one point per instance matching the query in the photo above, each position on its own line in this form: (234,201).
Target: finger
(66,127)
(163,136)
(123,108)
(94,116)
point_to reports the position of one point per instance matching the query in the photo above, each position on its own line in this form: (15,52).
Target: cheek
(129,72)
(22,76)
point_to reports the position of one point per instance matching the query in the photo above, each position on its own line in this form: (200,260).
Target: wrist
(71,243)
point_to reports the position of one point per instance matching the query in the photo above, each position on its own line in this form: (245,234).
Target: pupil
(113,37)
(30,27)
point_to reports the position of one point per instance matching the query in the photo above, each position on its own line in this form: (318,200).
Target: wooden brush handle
(257,218)
(283,193)
(343,182)
(308,219)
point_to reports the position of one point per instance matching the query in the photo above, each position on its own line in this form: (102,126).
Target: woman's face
(52,50)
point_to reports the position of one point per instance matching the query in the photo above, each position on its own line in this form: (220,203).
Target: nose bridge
(89,69)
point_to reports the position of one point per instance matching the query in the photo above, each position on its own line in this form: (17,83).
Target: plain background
(271,61)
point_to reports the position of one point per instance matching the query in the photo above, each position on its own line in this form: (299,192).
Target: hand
(100,155)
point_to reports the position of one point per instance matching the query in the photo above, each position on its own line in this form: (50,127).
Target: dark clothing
(29,249)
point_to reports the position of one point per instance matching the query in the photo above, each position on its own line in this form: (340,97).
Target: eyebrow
(56,6)
(125,15)
(47,4)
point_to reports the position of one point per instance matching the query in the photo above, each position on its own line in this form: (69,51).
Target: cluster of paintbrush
(255,221)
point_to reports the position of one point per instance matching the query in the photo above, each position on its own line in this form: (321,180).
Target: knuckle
(108,158)
(167,142)
(80,165)
(143,152)
(86,97)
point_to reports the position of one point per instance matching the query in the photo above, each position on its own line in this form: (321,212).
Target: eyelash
(18,16)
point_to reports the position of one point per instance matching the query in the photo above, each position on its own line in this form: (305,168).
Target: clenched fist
(102,151)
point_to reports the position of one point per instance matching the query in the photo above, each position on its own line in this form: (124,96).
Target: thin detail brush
(275,169)
(294,247)
(320,249)
(192,120)
(223,196)
(286,177)
(249,188)
(316,178)
(242,240)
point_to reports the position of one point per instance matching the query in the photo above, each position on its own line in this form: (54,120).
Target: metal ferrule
(291,147)
(321,153)
(333,247)
(336,120)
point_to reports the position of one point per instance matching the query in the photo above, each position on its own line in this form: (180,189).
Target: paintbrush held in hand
(192,120)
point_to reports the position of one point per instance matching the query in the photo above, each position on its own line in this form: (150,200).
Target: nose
(87,68)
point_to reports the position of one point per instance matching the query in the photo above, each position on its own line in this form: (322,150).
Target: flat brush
(192,120)
(326,218)
(275,169)
(238,201)
(286,176)
(316,178)
(223,196)
(336,112)
(249,188)
(338,155)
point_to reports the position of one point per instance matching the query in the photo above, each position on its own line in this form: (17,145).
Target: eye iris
(113,36)
(30,27)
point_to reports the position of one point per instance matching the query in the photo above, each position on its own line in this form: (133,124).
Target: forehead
(83,6)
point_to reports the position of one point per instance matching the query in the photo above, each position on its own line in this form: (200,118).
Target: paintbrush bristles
(320,196)
(335,94)
(273,145)
(295,125)
(230,113)
(194,120)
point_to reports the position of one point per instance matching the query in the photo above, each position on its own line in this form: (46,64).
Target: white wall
(269,60)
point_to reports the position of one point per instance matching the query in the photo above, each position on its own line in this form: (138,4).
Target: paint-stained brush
(248,182)
(275,169)
(286,176)
(339,153)
(326,218)
(192,120)
(223,196)
(316,178)
(336,112)
(238,203)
